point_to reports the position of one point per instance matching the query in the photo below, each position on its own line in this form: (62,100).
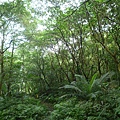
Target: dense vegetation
(60,60)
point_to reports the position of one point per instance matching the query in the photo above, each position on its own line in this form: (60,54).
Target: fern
(91,88)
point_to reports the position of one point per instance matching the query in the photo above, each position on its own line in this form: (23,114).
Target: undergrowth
(21,109)
(104,107)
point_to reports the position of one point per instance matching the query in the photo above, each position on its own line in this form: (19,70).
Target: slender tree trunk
(2,64)
(10,72)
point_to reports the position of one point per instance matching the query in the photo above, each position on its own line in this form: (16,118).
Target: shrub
(88,88)
(16,109)
(107,107)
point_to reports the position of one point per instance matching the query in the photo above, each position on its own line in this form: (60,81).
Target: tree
(11,15)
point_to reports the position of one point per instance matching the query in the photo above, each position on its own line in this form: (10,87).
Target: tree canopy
(45,43)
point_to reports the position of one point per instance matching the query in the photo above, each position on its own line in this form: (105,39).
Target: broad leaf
(105,77)
(92,81)
(81,78)
(71,87)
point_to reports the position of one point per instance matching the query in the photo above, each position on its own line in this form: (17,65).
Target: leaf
(92,81)
(82,78)
(106,76)
(91,95)
(103,78)
(71,87)
(73,83)
(66,95)
(99,0)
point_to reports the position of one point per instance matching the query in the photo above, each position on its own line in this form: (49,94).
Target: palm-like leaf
(82,83)
(103,78)
(81,78)
(91,88)
(73,83)
(71,87)
(92,81)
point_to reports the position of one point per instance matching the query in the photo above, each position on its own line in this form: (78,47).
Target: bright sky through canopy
(2,1)
(42,5)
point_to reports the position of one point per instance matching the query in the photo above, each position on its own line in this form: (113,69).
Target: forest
(60,60)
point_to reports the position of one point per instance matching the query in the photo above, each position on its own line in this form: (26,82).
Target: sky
(2,1)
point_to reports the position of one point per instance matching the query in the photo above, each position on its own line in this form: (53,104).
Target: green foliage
(104,108)
(21,108)
(63,110)
(81,39)
(89,88)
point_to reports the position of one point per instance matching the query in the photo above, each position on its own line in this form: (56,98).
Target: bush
(18,109)
(106,107)
(87,89)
